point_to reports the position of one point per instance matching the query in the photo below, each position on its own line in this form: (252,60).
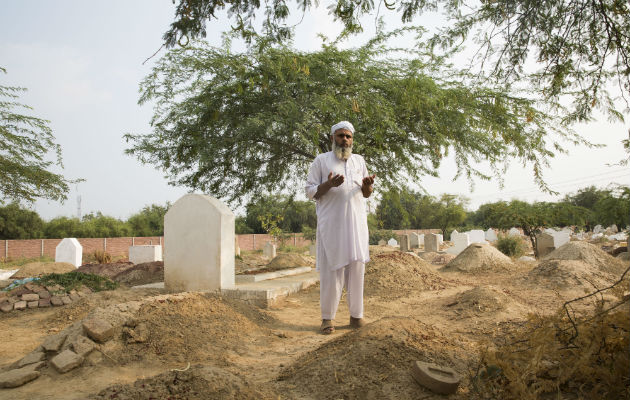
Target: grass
(12,264)
(75,279)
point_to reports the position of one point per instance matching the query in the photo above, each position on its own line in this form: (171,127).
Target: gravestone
(404,242)
(392,242)
(69,250)
(477,236)
(143,254)
(453,233)
(414,240)
(460,242)
(491,235)
(269,250)
(421,239)
(382,242)
(549,231)
(199,234)
(312,250)
(432,242)
(237,248)
(598,229)
(514,232)
(548,242)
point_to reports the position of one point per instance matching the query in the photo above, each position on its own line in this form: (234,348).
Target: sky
(82,62)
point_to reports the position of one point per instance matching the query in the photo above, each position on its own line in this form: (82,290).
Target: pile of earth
(249,260)
(578,264)
(437,258)
(141,274)
(387,274)
(108,270)
(482,300)
(37,269)
(374,362)
(196,382)
(479,257)
(288,260)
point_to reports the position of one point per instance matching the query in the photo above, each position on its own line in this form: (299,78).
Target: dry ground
(229,350)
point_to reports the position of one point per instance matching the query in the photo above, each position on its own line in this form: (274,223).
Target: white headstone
(143,254)
(312,249)
(514,232)
(237,248)
(560,238)
(550,231)
(404,242)
(491,235)
(454,233)
(526,258)
(432,242)
(199,237)
(477,236)
(269,250)
(392,242)
(598,229)
(414,240)
(460,242)
(69,251)
(421,239)
(547,242)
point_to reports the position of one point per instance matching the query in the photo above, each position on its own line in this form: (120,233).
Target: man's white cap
(342,125)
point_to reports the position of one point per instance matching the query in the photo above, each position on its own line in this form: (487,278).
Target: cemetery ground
(473,313)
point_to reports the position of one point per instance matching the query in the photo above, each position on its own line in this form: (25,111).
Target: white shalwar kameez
(342,232)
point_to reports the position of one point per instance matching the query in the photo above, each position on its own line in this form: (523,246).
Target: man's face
(343,138)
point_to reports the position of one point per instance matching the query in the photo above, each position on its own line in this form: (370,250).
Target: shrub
(99,256)
(76,279)
(384,234)
(511,246)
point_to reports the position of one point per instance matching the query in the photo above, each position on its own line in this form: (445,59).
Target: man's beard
(342,153)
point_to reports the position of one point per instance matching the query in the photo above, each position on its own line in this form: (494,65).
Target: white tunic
(342,232)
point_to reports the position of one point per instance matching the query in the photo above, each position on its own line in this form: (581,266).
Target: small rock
(85,290)
(20,305)
(33,304)
(17,377)
(31,358)
(56,301)
(44,294)
(138,334)
(54,342)
(74,296)
(36,366)
(66,361)
(44,303)
(20,291)
(30,285)
(6,307)
(53,288)
(5,283)
(83,346)
(98,329)
(66,300)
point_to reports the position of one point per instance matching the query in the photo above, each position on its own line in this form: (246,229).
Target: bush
(99,256)
(384,234)
(75,279)
(511,246)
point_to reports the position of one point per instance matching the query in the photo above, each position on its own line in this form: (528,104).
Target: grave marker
(69,251)
(460,242)
(143,254)
(432,242)
(491,235)
(414,240)
(269,250)
(404,242)
(392,242)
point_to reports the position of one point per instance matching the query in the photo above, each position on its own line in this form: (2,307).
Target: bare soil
(202,346)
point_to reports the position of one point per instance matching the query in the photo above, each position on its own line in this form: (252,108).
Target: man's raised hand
(335,180)
(368,181)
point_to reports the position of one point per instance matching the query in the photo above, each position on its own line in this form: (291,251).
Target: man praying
(339,183)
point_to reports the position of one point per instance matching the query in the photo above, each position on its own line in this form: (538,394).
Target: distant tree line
(397,209)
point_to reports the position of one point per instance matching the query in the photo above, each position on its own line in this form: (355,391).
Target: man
(339,182)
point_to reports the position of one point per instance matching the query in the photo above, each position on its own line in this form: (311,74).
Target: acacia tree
(579,47)
(25,143)
(240,124)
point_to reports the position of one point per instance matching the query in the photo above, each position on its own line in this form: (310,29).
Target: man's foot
(327,327)
(356,322)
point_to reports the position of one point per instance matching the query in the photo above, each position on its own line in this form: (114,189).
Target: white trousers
(331,284)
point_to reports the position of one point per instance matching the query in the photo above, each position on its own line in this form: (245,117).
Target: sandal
(327,327)
(356,322)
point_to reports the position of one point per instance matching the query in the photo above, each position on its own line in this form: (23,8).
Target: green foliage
(614,208)
(511,246)
(63,227)
(577,48)
(149,221)
(74,280)
(12,264)
(309,233)
(241,227)
(240,124)
(19,223)
(269,223)
(26,143)
(295,214)
(381,234)
(449,211)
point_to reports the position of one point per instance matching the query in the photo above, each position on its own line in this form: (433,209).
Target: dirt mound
(373,362)
(624,257)
(141,274)
(589,254)
(108,270)
(389,273)
(36,269)
(290,260)
(571,274)
(479,257)
(483,300)
(197,382)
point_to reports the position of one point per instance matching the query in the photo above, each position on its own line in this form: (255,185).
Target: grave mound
(571,274)
(589,254)
(625,256)
(482,300)
(479,257)
(289,260)
(36,269)
(197,382)
(374,362)
(387,274)
(108,270)
(141,274)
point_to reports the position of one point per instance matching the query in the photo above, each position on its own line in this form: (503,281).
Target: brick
(20,305)
(44,294)
(53,288)
(56,301)
(83,346)
(66,361)
(17,377)
(6,307)
(33,304)
(20,291)
(98,329)
(44,303)
(66,300)
(54,342)
(31,358)
(30,297)
(36,366)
